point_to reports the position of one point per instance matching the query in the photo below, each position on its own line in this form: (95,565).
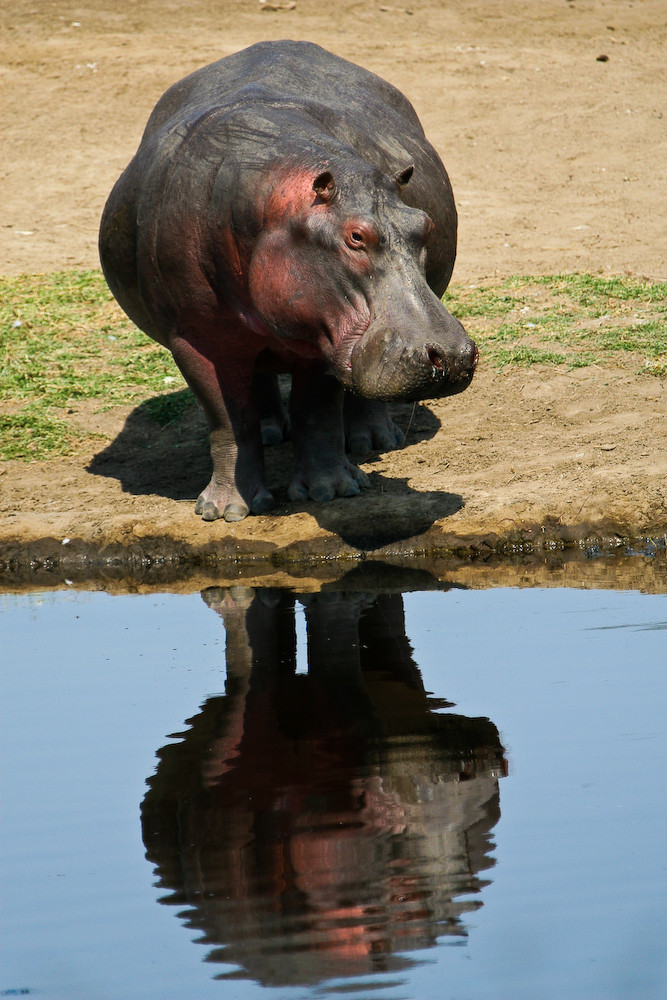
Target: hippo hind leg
(322,469)
(273,415)
(368,426)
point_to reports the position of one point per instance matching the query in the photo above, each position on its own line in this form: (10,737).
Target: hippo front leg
(237,485)
(322,469)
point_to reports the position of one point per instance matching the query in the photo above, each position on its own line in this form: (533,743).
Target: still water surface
(238,794)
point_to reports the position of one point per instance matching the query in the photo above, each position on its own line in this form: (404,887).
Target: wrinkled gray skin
(285,213)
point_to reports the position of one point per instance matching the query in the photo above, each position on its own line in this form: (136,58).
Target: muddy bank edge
(295,550)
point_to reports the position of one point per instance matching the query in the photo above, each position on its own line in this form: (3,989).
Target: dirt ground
(550,118)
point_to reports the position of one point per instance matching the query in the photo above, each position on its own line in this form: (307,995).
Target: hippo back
(243,113)
(355,107)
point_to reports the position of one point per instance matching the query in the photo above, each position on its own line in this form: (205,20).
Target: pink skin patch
(291,195)
(298,284)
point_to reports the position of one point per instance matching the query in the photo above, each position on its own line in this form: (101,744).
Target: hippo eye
(356,239)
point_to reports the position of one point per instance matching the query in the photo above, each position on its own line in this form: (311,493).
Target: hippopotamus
(284,213)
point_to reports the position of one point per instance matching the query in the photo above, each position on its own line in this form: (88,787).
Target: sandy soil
(549,116)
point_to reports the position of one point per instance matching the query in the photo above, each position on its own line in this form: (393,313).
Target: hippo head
(345,276)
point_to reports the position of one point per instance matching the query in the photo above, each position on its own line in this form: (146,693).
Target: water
(441,794)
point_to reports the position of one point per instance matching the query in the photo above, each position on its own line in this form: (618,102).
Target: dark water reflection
(324,823)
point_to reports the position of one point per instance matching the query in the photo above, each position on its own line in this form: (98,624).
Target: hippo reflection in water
(319,824)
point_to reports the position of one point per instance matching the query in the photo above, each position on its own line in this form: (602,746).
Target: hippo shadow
(163,449)
(391,510)
(380,517)
(327,821)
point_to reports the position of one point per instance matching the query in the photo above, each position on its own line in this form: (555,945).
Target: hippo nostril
(435,358)
(469,356)
(454,366)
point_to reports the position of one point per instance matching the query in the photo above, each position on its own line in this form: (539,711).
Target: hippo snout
(390,367)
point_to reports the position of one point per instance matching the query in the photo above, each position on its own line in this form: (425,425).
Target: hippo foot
(214,503)
(343,480)
(275,430)
(368,427)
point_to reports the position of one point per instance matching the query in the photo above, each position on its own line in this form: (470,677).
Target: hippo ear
(324,185)
(403,176)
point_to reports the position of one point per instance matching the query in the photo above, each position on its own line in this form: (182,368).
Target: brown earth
(549,117)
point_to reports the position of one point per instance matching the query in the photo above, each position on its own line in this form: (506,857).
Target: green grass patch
(573,320)
(165,410)
(64,340)
(35,435)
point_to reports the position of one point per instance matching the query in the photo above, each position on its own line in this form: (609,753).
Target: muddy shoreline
(539,555)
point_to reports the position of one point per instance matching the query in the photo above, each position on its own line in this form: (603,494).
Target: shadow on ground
(163,450)
(390,512)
